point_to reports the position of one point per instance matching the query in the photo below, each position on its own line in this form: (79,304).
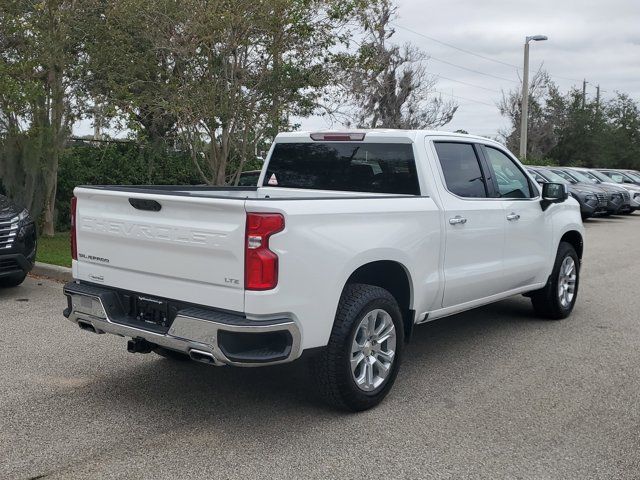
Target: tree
(544,115)
(571,129)
(252,68)
(40,73)
(217,76)
(622,140)
(133,72)
(387,84)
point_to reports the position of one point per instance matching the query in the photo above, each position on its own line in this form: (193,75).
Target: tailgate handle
(145,204)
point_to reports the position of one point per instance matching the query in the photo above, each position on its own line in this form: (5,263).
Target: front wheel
(556,300)
(361,361)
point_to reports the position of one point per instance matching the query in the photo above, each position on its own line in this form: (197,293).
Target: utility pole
(524,114)
(525,104)
(598,97)
(584,92)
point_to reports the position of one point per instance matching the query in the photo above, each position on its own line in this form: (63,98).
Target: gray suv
(593,201)
(633,191)
(617,198)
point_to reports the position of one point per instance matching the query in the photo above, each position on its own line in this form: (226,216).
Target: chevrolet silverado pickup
(348,241)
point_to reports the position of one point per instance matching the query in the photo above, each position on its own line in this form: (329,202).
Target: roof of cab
(381,133)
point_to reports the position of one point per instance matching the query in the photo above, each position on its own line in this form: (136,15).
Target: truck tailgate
(192,249)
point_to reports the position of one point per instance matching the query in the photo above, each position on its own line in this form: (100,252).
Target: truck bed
(183,242)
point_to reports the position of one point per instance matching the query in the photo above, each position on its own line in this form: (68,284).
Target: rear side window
(249,179)
(344,166)
(617,177)
(461,169)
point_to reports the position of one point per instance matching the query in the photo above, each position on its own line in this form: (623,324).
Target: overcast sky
(597,40)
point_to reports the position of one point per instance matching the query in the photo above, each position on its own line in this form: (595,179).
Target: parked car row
(600,192)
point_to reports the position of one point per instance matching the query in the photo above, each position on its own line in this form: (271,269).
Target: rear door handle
(457,220)
(512,217)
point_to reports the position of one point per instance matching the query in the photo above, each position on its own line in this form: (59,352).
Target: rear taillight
(74,244)
(260,263)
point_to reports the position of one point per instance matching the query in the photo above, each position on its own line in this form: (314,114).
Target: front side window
(565,175)
(581,177)
(552,176)
(461,169)
(512,182)
(599,176)
(536,176)
(344,166)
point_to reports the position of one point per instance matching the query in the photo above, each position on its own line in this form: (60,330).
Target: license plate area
(151,311)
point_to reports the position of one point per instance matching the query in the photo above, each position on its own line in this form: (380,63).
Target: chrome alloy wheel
(373,350)
(567,282)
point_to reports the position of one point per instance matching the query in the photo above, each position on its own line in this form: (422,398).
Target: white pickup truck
(348,241)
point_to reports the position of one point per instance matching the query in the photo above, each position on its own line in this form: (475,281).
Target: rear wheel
(361,361)
(13,280)
(556,300)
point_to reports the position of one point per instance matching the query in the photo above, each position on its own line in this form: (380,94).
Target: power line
(463,98)
(484,57)
(457,48)
(464,83)
(472,70)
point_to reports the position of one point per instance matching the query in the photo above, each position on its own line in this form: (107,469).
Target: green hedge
(118,163)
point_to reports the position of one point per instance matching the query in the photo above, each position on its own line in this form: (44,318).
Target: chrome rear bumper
(193,329)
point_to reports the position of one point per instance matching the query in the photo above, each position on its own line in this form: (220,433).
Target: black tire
(13,280)
(332,367)
(171,354)
(546,301)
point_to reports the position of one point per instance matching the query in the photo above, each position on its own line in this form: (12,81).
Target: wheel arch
(574,238)
(394,277)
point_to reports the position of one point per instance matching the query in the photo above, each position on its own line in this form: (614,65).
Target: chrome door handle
(457,220)
(513,217)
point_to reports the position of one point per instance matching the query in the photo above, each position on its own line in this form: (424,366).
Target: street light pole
(525,95)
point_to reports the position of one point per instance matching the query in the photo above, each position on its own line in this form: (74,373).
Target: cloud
(591,40)
(587,39)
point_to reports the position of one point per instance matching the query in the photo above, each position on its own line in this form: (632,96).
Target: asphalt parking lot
(492,393)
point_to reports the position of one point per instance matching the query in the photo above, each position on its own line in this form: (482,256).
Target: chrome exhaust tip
(87,326)
(203,357)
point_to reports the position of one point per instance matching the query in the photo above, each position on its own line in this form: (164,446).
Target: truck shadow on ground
(161,387)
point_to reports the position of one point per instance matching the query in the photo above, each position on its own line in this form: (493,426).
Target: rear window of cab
(344,166)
